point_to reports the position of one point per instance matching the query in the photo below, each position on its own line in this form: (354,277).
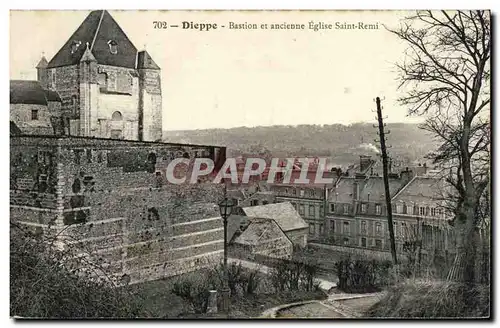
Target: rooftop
(374,188)
(31,92)
(421,190)
(259,229)
(283,213)
(99,31)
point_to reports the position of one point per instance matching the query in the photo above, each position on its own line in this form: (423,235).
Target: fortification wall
(109,198)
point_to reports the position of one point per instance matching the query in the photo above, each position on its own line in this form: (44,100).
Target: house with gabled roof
(261,236)
(33,109)
(285,216)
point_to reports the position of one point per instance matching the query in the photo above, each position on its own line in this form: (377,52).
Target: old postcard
(250,164)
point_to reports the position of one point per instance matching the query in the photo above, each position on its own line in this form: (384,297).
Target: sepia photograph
(250,164)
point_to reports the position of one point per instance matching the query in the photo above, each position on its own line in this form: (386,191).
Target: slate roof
(97,30)
(283,213)
(374,186)
(52,96)
(258,229)
(342,193)
(421,190)
(31,92)
(42,63)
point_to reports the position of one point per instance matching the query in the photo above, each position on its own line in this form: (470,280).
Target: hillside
(342,144)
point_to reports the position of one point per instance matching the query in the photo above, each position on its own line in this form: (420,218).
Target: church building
(101,85)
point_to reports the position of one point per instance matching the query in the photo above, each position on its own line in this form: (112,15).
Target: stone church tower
(108,88)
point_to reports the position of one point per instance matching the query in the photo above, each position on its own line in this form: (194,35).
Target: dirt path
(336,306)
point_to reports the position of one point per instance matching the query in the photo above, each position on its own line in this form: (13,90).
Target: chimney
(364,162)
(42,72)
(406,175)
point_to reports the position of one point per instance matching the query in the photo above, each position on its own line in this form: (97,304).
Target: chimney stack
(364,162)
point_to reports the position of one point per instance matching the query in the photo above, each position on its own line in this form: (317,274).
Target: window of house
(116,116)
(332,208)
(346,241)
(394,208)
(321,229)
(347,229)
(363,242)
(363,226)
(346,209)
(433,211)
(421,210)
(363,208)
(294,191)
(378,209)
(301,209)
(301,193)
(440,212)
(378,228)
(311,193)
(311,228)
(102,80)
(75,45)
(286,190)
(311,210)
(332,226)
(378,243)
(321,210)
(254,202)
(399,209)
(34,114)
(53,78)
(405,209)
(403,229)
(113,47)
(74,104)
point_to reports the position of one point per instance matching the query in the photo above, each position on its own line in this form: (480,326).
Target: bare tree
(446,74)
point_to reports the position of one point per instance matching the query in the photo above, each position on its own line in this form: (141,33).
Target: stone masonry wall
(65,80)
(21,114)
(113,210)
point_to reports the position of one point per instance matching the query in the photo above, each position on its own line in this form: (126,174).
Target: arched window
(102,80)
(117,116)
(113,47)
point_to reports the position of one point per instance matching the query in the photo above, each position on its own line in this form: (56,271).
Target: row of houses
(353,213)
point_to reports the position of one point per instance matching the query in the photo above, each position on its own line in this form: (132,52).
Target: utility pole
(386,179)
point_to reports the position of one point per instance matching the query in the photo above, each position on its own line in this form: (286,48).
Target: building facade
(107,88)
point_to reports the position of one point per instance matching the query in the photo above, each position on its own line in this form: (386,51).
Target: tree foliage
(47,282)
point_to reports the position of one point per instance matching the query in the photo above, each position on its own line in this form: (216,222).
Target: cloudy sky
(227,78)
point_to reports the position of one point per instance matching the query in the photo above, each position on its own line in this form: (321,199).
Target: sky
(227,78)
